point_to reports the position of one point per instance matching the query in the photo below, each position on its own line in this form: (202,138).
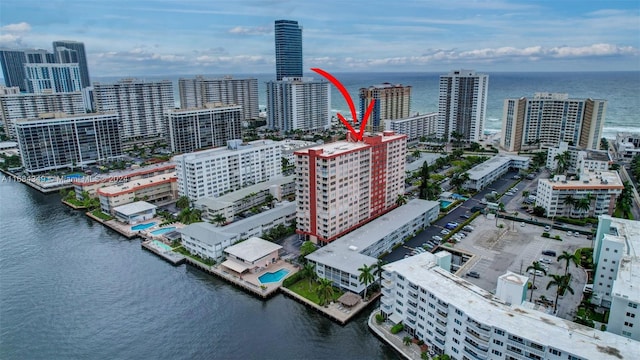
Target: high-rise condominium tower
(197,92)
(288,49)
(298,104)
(392,102)
(68,51)
(462,105)
(345,184)
(548,119)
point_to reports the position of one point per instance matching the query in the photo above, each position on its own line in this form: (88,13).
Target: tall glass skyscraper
(68,51)
(288,49)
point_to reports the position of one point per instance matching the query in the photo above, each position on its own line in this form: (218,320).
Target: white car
(445,232)
(538,272)
(544,261)
(436,238)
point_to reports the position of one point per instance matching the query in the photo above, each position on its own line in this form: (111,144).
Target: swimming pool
(163,230)
(161,245)
(74,176)
(272,277)
(142,226)
(444,204)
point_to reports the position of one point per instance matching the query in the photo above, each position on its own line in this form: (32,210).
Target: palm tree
(525,194)
(366,277)
(569,258)
(416,154)
(570,201)
(401,200)
(562,284)
(324,291)
(182,203)
(458,137)
(406,340)
(309,272)
(379,270)
(535,266)
(562,161)
(219,219)
(583,205)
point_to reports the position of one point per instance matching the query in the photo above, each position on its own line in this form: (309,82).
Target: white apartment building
(18,106)
(155,190)
(392,101)
(455,317)
(194,129)
(140,104)
(344,184)
(462,105)
(340,260)
(239,201)
(289,147)
(298,104)
(197,92)
(218,171)
(209,241)
(627,145)
(601,187)
(53,78)
(616,252)
(549,118)
(68,141)
(481,175)
(415,127)
(9,90)
(580,161)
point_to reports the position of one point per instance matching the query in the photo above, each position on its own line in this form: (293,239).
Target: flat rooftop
(225,150)
(628,279)
(122,174)
(345,253)
(134,208)
(481,170)
(242,226)
(335,148)
(252,249)
(133,185)
(590,180)
(221,202)
(207,233)
(521,320)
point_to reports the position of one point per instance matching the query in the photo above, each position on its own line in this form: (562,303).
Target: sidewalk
(383,331)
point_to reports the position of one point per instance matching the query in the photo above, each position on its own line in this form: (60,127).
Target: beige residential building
(157,189)
(391,102)
(91,183)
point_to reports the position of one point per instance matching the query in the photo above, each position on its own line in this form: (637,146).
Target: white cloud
(256,30)
(16,28)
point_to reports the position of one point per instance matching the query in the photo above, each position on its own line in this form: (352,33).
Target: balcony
(476,335)
(441,313)
(483,348)
(441,332)
(438,340)
(442,306)
(480,328)
(388,300)
(387,291)
(442,323)
(472,354)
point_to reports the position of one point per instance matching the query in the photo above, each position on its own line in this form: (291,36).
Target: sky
(158,37)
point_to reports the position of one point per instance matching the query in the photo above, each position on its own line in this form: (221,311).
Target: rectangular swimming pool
(161,245)
(272,277)
(142,226)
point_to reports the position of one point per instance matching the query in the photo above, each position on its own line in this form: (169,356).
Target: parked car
(445,232)
(538,272)
(547,228)
(465,216)
(549,253)
(523,224)
(468,228)
(436,238)
(473,274)
(544,261)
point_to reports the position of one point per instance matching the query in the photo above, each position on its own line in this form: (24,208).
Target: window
(456,331)
(498,331)
(456,341)
(555,352)
(629,324)
(631,315)
(457,321)
(632,305)
(458,312)
(498,342)
(496,352)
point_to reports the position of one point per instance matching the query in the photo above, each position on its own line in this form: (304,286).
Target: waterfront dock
(333,310)
(169,256)
(383,332)
(115,226)
(44,184)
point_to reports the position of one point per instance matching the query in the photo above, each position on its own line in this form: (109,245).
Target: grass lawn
(186,252)
(75,202)
(100,215)
(302,288)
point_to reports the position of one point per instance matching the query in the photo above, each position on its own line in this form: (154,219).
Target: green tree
(539,211)
(219,219)
(424,180)
(604,144)
(324,291)
(182,203)
(307,248)
(458,180)
(401,200)
(568,258)
(475,147)
(562,161)
(406,340)
(525,194)
(379,270)
(570,201)
(416,154)
(535,266)
(562,284)
(309,272)
(366,277)
(457,137)
(583,205)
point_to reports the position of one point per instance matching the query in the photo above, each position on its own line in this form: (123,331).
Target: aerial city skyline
(435,36)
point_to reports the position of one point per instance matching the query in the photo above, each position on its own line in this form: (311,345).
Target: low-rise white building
(340,260)
(251,255)
(218,171)
(627,145)
(484,174)
(601,188)
(455,317)
(135,212)
(580,161)
(616,252)
(156,189)
(415,127)
(208,241)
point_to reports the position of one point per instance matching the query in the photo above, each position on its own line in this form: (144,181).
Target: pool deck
(248,282)
(171,257)
(334,311)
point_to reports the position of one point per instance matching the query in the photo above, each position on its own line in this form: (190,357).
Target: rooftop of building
(413,117)
(207,233)
(521,320)
(134,185)
(233,147)
(627,281)
(134,208)
(596,180)
(289,145)
(386,85)
(344,146)
(481,170)
(114,176)
(252,249)
(53,116)
(221,202)
(345,253)
(208,108)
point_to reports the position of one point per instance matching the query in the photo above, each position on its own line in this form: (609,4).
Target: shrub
(397,328)
(557,237)
(545,234)
(379,318)
(292,279)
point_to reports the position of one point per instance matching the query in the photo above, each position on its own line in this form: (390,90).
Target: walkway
(383,331)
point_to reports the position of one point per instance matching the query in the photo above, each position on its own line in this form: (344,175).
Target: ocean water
(620,89)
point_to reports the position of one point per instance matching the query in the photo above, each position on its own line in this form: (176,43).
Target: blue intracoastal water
(72,289)
(620,89)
